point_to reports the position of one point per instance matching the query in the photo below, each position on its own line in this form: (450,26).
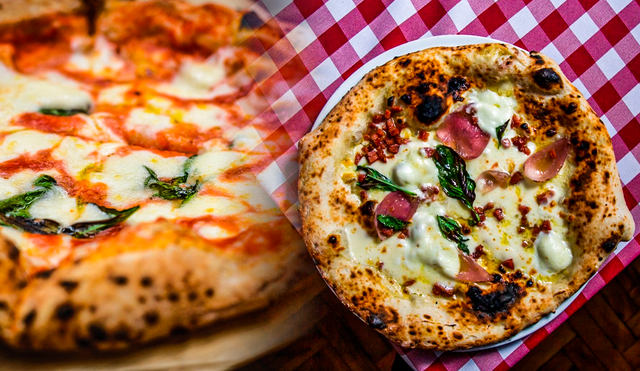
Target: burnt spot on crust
(536,57)
(151,318)
(209,292)
(179,331)
(29,318)
(120,280)
(610,244)
(97,333)
(146,281)
(570,108)
(430,109)
(405,62)
(3,305)
(494,302)
(43,275)
(547,79)
(376,322)
(122,334)
(68,285)
(455,86)
(333,240)
(13,253)
(173,297)
(65,312)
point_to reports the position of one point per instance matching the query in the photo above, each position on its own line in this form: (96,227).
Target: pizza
(456,195)
(129,209)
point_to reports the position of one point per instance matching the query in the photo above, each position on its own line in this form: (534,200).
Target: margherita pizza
(129,209)
(456,195)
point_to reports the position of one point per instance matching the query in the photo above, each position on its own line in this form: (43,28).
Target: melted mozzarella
(26,142)
(19,93)
(493,110)
(428,245)
(553,251)
(76,154)
(147,123)
(56,205)
(195,80)
(101,61)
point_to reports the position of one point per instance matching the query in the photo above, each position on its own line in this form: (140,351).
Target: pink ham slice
(461,133)
(397,205)
(490,179)
(471,271)
(547,162)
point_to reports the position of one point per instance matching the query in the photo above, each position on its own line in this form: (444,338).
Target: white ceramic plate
(414,46)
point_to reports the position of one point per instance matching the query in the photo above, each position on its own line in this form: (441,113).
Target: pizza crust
(599,218)
(121,294)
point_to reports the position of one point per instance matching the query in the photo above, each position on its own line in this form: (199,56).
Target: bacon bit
(544,197)
(396,109)
(430,192)
(361,177)
(516,178)
(363,195)
(378,118)
(402,236)
(508,264)
(498,214)
(546,225)
(505,142)
(380,265)
(386,231)
(423,135)
(409,282)
(372,157)
(465,229)
(515,121)
(358,158)
(394,148)
(440,290)
(480,211)
(523,209)
(428,152)
(387,114)
(478,252)
(521,229)
(525,243)
(521,144)
(488,206)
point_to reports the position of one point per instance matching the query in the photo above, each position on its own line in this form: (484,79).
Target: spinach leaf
(394,223)
(453,232)
(174,189)
(62,112)
(500,131)
(374,180)
(90,229)
(454,178)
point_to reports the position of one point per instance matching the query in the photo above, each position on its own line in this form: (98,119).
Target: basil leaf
(454,178)
(453,232)
(375,180)
(14,211)
(394,223)
(500,131)
(175,189)
(63,112)
(90,229)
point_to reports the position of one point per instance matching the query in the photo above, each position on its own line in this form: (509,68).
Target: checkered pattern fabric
(595,42)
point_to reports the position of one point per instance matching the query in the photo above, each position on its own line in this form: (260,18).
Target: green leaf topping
(500,131)
(394,223)
(14,212)
(63,112)
(454,178)
(174,189)
(375,180)
(453,232)
(90,229)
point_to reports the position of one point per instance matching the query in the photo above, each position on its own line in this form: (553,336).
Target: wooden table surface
(602,335)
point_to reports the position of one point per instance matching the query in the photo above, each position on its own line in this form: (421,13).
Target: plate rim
(414,46)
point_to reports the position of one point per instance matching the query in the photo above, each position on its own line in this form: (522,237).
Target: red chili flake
(358,158)
(523,209)
(478,252)
(516,178)
(505,143)
(440,290)
(498,214)
(423,135)
(396,109)
(521,144)
(387,114)
(552,153)
(544,197)
(508,264)
(515,121)
(546,225)
(378,118)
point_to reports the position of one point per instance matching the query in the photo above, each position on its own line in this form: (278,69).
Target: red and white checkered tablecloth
(596,43)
